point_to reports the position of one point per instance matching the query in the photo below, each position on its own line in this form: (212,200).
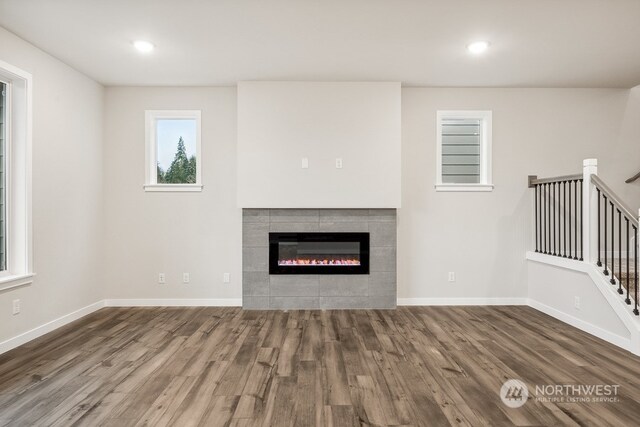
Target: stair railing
(618,244)
(633,178)
(579,217)
(559,216)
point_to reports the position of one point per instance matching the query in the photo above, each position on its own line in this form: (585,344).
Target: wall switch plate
(339,163)
(226,278)
(452,276)
(305,163)
(185,278)
(576,303)
(161,278)
(16,306)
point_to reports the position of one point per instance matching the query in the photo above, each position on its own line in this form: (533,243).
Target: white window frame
(18,177)
(486,183)
(151,180)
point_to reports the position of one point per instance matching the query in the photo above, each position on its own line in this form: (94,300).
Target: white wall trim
(37,332)
(169,302)
(631,322)
(590,328)
(616,301)
(627,344)
(486,179)
(462,188)
(151,155)
(462,301)
(11,282)
(18,183)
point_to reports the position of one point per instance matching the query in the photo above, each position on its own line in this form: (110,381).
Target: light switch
(339,163)
(305,163)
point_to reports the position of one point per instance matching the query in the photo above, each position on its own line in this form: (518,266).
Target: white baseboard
(34,333)
(582,325)
(169,302)
(462,301)
(37,332)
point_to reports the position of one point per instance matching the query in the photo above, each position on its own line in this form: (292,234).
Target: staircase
(619,265)
(579,217)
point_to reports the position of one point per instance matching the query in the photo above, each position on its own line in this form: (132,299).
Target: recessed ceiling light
(478,47)
(143,46)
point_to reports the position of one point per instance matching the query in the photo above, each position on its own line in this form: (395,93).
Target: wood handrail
(533,180)
(633,178)
(626,210)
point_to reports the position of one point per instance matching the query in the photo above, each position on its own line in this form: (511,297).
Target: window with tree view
(176,147)
(173,149)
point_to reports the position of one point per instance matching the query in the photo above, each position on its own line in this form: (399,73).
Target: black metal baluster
(558,222)
(536,213)
(599,247)
(613,246)
(581,224)
(575,237)
(628,301)
(553,210)
(540,216)
(620,291)
(543,208)
(564,217)
(559,225)
(606,267)
(635,269)
(549,216)
(570,252)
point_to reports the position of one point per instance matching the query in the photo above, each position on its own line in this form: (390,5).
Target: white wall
(625,152)
(279,123)
(483,236)
(147,233)
(554,289)
(67,191)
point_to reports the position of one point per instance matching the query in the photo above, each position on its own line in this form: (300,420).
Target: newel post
(589,210)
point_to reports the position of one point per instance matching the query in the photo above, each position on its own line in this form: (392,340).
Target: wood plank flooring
(428,366)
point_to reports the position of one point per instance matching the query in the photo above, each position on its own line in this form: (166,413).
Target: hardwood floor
(224,366)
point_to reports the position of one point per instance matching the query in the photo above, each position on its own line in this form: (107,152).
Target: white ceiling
(535,43)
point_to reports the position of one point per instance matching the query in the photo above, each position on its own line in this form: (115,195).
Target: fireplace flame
(312,261)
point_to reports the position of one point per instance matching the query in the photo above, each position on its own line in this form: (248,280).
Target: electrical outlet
(226,278)
(185,277)
(452,276)
(305,163)
(338,163)
(161,279)
(576,303)
(16,306)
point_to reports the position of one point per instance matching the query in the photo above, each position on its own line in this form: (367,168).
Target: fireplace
(318,253)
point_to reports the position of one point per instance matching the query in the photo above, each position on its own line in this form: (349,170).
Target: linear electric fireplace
(318,253)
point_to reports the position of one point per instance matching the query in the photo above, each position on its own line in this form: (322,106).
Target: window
(15,177)
(4,91)
(173,151)
(464,151)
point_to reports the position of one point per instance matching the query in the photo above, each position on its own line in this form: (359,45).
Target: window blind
(461,140)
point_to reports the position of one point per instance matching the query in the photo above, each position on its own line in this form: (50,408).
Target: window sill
(173,187)
(465,187)
(10,282)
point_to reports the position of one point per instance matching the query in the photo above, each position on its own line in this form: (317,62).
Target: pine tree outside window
(173,151)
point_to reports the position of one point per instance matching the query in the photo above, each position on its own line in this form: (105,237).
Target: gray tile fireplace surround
(262,291)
